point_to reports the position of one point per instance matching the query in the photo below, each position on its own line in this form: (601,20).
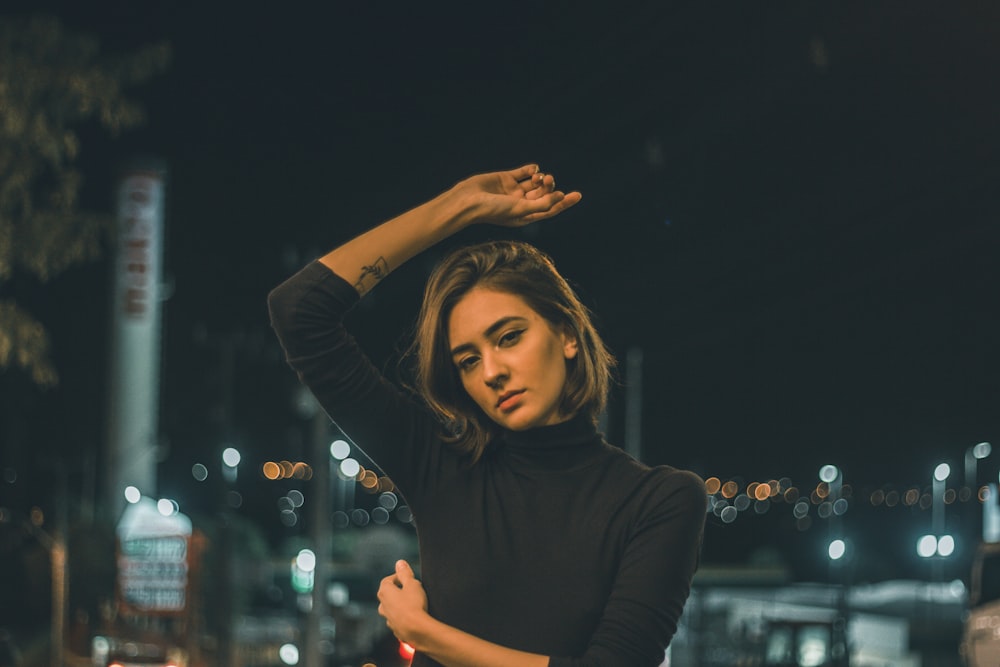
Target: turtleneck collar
(562,446)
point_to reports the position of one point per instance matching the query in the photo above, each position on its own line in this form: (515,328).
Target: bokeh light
(340,450)
(231,457)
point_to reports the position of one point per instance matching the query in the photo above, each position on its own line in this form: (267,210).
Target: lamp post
(231,458)
(937,545)
(973,455)
(840,560)
(941,473)
(832,477)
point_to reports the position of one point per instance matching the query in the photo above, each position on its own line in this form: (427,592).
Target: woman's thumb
(403,570)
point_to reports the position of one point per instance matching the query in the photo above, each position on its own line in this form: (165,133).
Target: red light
(406,651)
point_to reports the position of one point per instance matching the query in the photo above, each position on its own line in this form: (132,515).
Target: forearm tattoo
(371,274)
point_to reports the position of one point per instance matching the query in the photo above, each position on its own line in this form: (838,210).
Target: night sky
(789,207)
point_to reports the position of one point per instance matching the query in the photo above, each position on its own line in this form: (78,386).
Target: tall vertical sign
(135,334)
(991,514)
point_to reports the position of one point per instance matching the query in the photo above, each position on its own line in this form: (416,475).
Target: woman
(540,544)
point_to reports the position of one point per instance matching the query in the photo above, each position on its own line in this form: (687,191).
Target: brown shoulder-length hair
(520,269)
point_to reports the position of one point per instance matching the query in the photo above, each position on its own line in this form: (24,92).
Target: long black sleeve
(554,542)
(307,312)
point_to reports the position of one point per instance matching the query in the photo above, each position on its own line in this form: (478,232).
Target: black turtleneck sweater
(554,542)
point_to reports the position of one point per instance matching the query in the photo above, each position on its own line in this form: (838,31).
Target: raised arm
(508,198)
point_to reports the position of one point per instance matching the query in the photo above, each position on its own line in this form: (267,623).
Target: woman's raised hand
(402,602)
(517,197)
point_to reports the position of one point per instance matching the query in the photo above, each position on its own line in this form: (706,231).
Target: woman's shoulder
(660,474)
(654,482)
(678,476)
(665,483)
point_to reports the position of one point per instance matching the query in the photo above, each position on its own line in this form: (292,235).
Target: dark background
(790,207)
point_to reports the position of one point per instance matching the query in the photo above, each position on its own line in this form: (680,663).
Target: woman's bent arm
(508,198)
(403,603)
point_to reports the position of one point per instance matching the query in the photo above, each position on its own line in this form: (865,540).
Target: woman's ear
(570,345)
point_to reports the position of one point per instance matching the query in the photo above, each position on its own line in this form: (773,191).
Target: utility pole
(321,536)
(633,402)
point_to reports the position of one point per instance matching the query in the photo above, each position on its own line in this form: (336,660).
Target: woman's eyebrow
(490,330)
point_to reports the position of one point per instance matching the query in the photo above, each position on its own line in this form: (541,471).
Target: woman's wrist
(421,632)
(456,207)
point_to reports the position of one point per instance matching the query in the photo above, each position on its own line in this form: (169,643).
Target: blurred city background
(789,233)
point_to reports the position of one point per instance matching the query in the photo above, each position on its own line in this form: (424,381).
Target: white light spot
(340,450)
(942,471)
(837,549)
(729,514)
(289,654)
(132,494)
(165,506)
(296,498)
(306,560)
(199,472)
(349,468)
(231,457)
(982,450)
(927,546)
(946,546)
(828,473)
(338,594)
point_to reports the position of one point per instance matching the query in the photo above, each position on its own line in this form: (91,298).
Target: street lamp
(937,543)
(230,460)
(834,479)
(941,473)
(929,546)
(973,455)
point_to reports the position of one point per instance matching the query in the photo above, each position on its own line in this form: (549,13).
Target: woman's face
(512,362)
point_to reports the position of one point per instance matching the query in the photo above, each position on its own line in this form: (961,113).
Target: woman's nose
(494,371)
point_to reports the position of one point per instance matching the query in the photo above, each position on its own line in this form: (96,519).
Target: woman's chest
(535,547)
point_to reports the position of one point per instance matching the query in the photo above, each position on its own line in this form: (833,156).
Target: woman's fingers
(532,183)
(542,184)
(524,173)
(515,198)
(549,205)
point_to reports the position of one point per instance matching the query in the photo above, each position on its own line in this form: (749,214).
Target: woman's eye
(510,337)
(467,363)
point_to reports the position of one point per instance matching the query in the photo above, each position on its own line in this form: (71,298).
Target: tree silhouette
(53,81)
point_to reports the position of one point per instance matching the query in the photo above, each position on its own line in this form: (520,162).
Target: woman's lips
(510,400)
